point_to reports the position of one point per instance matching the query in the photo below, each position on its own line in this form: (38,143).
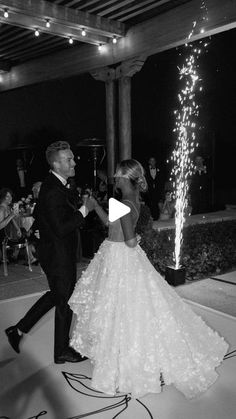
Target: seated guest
(9,221)
(8,218)
(167,208)
(8,214)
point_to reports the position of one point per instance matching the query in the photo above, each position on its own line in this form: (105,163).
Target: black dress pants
(61,289)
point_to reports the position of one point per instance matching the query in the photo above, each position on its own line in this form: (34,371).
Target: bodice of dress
(115,232)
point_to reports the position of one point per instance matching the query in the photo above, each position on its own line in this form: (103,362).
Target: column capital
(104,74)
(130,67)
(125,69)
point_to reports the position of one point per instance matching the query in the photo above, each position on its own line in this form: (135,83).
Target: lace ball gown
(135,328)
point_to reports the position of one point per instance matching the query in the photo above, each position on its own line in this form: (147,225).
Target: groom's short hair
(53,149)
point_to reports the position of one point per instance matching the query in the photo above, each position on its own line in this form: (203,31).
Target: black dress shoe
(14,338)
(69,355)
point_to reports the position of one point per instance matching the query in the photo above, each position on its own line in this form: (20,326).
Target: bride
(130,322)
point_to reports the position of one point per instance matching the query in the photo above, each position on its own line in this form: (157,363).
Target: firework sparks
(185,129)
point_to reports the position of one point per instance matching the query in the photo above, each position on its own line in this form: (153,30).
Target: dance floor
(32,386)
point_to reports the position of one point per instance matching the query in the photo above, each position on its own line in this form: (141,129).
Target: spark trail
(185,129)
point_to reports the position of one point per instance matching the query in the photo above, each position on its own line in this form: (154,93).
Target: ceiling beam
(163,32)
(136,10)
(65,22)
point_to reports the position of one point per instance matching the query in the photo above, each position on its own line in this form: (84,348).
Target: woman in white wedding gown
(130,322)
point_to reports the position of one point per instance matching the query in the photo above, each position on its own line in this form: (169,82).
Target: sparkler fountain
(185,129)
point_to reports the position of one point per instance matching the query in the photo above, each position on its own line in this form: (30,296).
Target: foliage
(208,249)
(145,220)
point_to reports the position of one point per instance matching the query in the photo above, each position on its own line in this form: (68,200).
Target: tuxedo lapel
(54,182)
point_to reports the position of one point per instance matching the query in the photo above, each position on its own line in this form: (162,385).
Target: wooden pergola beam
(65,22)
(166,31)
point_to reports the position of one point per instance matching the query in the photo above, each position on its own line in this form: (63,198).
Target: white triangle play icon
(117,210)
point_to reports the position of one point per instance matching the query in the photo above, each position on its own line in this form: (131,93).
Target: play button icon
(117,209)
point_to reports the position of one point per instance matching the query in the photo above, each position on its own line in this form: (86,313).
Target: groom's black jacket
(58,220)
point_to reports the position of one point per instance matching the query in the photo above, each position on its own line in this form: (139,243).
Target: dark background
(74,109)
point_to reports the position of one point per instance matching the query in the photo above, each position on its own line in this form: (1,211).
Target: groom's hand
(90,203)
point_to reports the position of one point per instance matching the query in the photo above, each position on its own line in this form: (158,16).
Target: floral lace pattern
(135,328)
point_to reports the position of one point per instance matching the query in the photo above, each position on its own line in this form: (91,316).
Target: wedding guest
(9,222)
(167,207)
(154,187)
(102,185)
(36,189)
(8,213)
(33,232)
(200,187)
(21,187)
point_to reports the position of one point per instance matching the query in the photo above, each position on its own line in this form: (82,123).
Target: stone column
(124,73)
(125,138)
(107,75)
(110,131)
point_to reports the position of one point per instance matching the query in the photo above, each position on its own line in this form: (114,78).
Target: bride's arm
(100,212)
(128,230)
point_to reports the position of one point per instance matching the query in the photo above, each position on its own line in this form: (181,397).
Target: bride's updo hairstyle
(133,170)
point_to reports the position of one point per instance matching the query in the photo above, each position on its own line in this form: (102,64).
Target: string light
(48,25)
(185,129)
(6,13)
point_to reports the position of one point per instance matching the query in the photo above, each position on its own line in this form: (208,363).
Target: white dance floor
(32,386)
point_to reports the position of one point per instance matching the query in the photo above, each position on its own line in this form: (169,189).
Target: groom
(58,220)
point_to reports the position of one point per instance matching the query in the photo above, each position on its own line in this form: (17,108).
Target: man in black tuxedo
(58,220)
(200,188)
(154,192)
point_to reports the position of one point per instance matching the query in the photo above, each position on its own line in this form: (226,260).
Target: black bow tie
(67,185)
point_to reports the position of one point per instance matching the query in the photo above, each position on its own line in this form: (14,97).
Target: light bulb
(114,40)
(48,24)
(71,40)
(36,32)
(6,13)
(99,47)
(83,33)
